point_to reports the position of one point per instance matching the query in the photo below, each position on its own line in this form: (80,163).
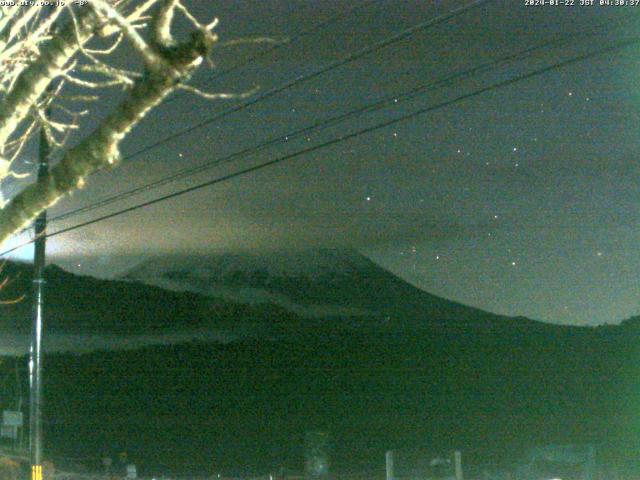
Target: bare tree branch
(161,27)
(101,148)
(219,95)
(151,59)
(37,64)
(245,41)
(34,80)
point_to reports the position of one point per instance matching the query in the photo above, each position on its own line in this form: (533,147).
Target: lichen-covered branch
(151,59)
(101,147)
(34,79)
(31,60)
(162,23)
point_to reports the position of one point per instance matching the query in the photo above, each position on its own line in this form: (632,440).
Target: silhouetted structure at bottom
(317,456)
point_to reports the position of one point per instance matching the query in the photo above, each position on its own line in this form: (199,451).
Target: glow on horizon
(22,254)
(25,253)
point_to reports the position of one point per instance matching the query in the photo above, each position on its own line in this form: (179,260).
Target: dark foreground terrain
(491,387)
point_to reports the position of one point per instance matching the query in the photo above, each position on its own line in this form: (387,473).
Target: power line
(407,95)
(343,138)
(289,41)
(402,35)
(303,78)
(368,108)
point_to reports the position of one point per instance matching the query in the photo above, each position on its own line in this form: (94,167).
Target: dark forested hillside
(244,406)
(442,377)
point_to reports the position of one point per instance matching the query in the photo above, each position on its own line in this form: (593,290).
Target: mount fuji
(312,284)
(222,298)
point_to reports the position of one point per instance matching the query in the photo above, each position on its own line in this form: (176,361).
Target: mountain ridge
(352,285)
(84,313)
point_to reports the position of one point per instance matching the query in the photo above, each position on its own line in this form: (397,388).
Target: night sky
(521,201)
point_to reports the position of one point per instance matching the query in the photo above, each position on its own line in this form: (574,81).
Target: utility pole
(389,464)
(35,354)
(457,458)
